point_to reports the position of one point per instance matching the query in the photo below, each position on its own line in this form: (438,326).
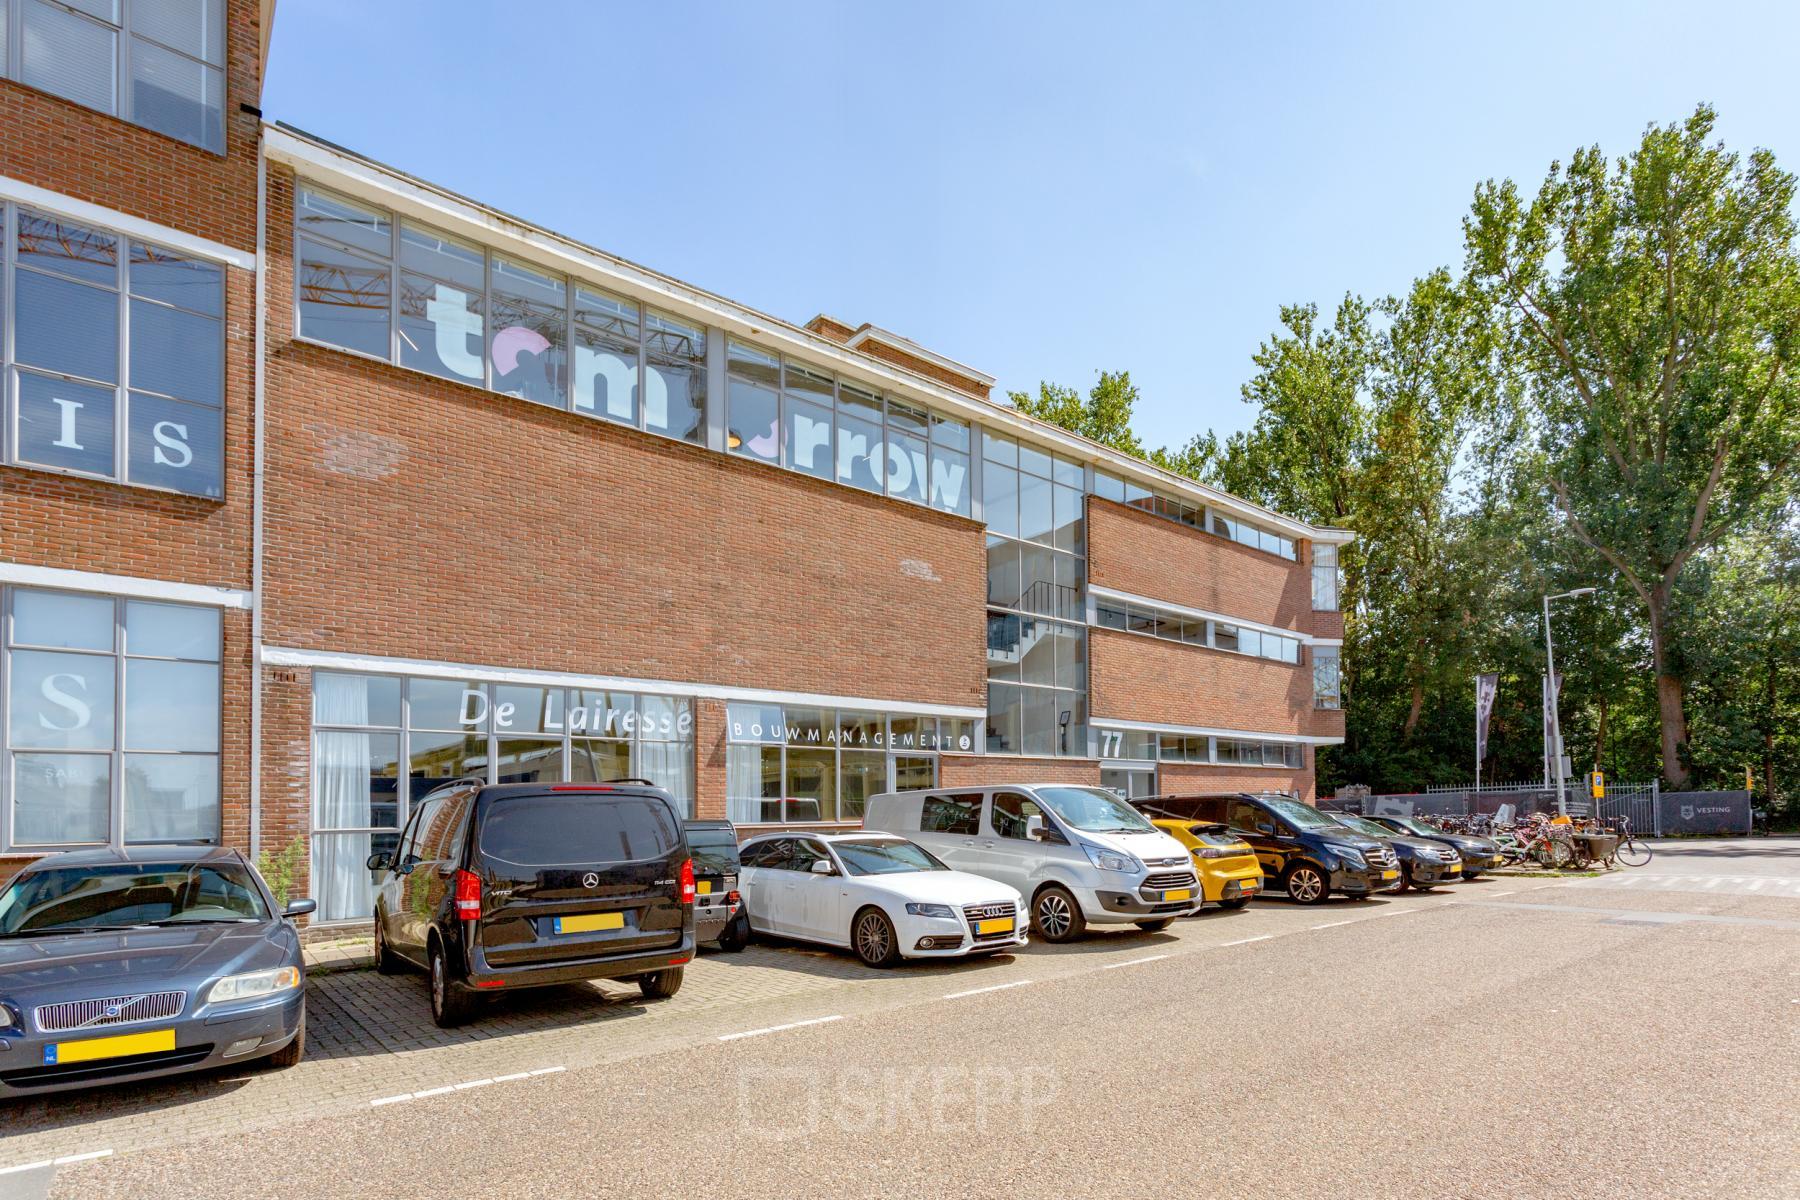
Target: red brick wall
(1139,678)
(977,770)
(1138,552)
(1174,779)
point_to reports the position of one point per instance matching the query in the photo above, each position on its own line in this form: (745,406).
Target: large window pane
(950,481)
(529,760)
(447,704)
(1004,646)
(907,465)
(675,379)
(177,353)
(177,96)
(171,631)
(606,356)
(171,798)
(64,424)
(1037,658)
(1066,508)
(1067,646)
(1000,499)
(440,758)
(55,245)
(344,299)
(664,718)
(171,705)
(159,274)
(596,760)
(530,347)
(60,701)
(808,438)
(999,449)
(862,774)
(345,220)
(670,766)
(860,455)
(1003,572)
(1071,723)
(356,780)
(61,325)
(61,798)
(62,621)
(912,773)
(176,445)
(1037,580)
(751,421)
(1040,721)
(340,882)
(193,27)
(70,56)
(441,324)
(1004,718)
(519,709)
(811,789)
(1037,519)
(355,699)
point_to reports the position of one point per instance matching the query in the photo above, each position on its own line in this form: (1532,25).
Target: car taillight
(468,896)
(687,881)
(733,898)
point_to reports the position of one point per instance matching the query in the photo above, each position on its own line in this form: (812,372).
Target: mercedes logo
(591,880)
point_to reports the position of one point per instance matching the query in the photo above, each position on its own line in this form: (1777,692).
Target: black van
(719,914)
(1307,851)
(515,885)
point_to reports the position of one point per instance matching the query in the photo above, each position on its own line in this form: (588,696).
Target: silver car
(128,964)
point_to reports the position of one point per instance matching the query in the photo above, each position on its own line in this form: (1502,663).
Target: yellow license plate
(1390,874)
(1455,867)
(703,887)
(995,925)
(1247,888)
(1179,894)
(590,922)
(89,1049)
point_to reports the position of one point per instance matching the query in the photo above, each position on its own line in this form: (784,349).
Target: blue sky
(1040,189)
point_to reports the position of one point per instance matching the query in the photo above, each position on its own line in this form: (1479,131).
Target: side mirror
(1034,828)
(377,861)
(405,865)
(822,866)
(1265,827)
(300,908)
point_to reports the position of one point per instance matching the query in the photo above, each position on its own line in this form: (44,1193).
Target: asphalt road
(1635,1035)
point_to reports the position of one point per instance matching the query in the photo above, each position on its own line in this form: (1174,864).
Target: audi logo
(591,879)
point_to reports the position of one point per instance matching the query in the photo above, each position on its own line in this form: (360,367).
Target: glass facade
(381,742)
(411,295)
(155,63)
(115,356)
(1139,745)
(1195,516)
(1327,679)
(112,724)
(1325,579)
(1194,631)
(793,764)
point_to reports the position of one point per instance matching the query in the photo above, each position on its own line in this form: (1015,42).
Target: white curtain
(669,765)
(340,881)
(743,784)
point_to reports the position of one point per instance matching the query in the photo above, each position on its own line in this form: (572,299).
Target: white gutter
(385,187)
(87,213)
(256,504)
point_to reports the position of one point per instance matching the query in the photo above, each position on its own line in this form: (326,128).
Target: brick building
(322,483)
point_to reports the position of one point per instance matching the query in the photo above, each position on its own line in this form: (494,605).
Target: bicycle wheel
(1632,852)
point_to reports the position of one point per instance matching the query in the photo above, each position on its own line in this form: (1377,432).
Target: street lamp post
(1556,742)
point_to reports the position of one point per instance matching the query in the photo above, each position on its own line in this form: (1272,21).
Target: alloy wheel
(1305,885)
(1053,915)
(872,938)
(437,982)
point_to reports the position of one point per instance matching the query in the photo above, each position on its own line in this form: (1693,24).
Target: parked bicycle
(1630,852)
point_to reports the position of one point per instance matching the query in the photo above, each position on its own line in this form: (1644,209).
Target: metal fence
(1637,802)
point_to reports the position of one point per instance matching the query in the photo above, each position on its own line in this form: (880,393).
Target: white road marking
(729,1037)
(1335,924)
(1246,941)
(64,1161)
(1507,892)
(998,987)
(460,1087)
(1133,962)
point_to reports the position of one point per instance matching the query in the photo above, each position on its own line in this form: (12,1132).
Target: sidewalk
(345,954)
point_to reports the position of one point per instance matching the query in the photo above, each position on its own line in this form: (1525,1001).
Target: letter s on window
(172,437)
(75,705)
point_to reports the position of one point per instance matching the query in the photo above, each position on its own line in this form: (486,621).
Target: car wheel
(1236,902)
(1406,879)
(1306,884)
(295,1050)
(1468,875)
(736,935)
(1056,915)
(872,936)
(386,961)
(660,985)
(1155,926)
(450,1004)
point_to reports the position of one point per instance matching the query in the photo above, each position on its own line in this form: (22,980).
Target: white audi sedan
(882,896)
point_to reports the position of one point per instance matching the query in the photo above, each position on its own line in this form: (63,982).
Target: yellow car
(1227,867)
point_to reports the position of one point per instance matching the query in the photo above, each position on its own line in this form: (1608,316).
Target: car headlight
(931,910)
(1350,854)
(254,985)
(1112,860)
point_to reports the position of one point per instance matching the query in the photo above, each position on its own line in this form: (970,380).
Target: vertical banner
(1551,692)
(1486,687)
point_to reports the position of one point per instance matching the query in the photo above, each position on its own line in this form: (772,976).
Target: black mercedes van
(498,887)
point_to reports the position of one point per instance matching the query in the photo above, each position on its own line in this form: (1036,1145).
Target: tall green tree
(1653,305)
(1103,414)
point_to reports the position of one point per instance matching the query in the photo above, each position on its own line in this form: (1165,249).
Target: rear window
(715,850)
(577,829)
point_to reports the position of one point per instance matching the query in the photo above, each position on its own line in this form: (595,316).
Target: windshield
(1364,825)
(885,858)
(1303,815)
(715,850)
(1414,825)
(1093,810)
(122,895)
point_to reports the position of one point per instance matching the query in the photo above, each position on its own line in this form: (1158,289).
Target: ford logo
(590,880)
